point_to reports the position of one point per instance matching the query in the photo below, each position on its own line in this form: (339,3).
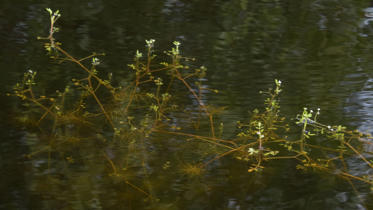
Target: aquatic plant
(128,117)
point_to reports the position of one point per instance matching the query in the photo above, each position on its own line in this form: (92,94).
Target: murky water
(321,50)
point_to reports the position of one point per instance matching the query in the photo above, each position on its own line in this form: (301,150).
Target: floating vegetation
(127,126)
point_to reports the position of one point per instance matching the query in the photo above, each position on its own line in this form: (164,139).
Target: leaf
(49,10)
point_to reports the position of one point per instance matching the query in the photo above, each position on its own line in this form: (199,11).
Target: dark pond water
(321,50)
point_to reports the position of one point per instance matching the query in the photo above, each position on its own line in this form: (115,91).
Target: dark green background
(321,50)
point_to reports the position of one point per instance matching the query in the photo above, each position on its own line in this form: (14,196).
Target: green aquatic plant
(73,119)
(75,130)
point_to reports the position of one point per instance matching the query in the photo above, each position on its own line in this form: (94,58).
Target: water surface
(321,50)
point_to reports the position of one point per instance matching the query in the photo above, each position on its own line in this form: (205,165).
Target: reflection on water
(320,49)
(360,104)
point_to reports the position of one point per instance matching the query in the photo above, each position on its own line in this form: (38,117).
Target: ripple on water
(360,106)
